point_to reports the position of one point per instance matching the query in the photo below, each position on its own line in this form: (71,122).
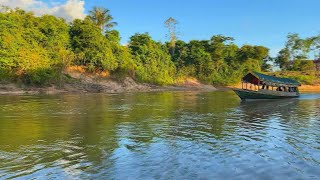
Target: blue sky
(258,22)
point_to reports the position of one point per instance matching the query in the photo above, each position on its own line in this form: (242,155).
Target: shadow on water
(264,108)
(157,135)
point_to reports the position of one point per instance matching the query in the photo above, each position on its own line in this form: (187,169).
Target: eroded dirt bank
(81,82)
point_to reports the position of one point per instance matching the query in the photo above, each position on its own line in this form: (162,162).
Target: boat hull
(248,94)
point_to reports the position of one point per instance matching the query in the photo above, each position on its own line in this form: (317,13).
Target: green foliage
(306,77)
(36,50)
(301,65)
(113,36)
(102,18)
(40,77)
(218,60)
(29,44)
(307,65)
(90,46)
(283,58)
(6,75)
(123,58)
(296,51)
(154,64)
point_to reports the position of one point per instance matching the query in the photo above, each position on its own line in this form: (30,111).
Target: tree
(217,46)
(199,58)
(124,59)
(30,46)
(171,24)
(180,55)
(113,36)
(266,66)
(302,65)
(102,18)
(230,54)
(315,46)
(296,51)
(283,58)
(298,47)
(90,46)
(292,45)
(307,65)
(154,65)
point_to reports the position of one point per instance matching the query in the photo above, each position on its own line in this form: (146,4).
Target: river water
(163,135)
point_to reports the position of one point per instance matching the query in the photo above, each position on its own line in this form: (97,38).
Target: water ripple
(159,136)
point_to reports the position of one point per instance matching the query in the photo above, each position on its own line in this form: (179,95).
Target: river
(159,135)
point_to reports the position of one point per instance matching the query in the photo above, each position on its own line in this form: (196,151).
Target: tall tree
(90,46)
(298,47)
(171,24)
(314,46)
(283,58)
(217,46)
(154,64)
(102,18)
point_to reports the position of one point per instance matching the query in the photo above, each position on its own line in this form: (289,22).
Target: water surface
(167,135)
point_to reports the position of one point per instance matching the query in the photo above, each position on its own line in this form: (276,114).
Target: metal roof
(275,80)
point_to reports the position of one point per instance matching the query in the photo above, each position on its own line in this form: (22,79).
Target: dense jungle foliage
(36,50)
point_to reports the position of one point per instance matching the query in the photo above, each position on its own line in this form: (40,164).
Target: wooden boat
(261,86)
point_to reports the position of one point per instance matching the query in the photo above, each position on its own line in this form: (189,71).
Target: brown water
(168,135)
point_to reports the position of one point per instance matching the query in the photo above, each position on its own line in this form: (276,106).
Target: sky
(255,22)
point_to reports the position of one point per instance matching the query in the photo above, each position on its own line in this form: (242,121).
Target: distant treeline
(36,50)
(295,55)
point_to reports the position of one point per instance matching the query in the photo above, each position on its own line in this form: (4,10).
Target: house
(317,64)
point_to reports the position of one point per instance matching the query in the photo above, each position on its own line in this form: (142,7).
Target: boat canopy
(259,79)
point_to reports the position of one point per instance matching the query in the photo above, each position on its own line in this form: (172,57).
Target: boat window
(292,89)
(279,89)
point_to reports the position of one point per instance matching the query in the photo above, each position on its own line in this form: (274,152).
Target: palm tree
(102,18)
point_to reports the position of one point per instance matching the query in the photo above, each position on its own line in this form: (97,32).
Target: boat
(257,86)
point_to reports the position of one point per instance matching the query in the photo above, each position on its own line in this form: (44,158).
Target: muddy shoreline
(106,86)
(89,85)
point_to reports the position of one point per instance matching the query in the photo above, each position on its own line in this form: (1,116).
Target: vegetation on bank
(37,50)
(304,77)
(295,62)
(295,55)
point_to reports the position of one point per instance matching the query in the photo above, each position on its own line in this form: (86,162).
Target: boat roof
(270,79)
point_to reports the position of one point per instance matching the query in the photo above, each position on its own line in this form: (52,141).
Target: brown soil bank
(310,88)
(82,82)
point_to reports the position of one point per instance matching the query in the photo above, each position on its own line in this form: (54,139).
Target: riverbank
(83,83)
(127,85)
(310,88)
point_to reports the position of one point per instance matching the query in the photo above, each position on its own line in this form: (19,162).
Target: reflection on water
(170,135)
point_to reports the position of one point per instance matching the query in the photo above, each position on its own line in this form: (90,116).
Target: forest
(36,51)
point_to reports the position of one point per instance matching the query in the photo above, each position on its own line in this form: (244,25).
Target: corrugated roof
(276,80)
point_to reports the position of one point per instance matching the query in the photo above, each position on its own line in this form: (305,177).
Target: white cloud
(71,9)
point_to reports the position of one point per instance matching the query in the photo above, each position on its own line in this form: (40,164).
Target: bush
(307,77)
(6,75)
(41,77)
